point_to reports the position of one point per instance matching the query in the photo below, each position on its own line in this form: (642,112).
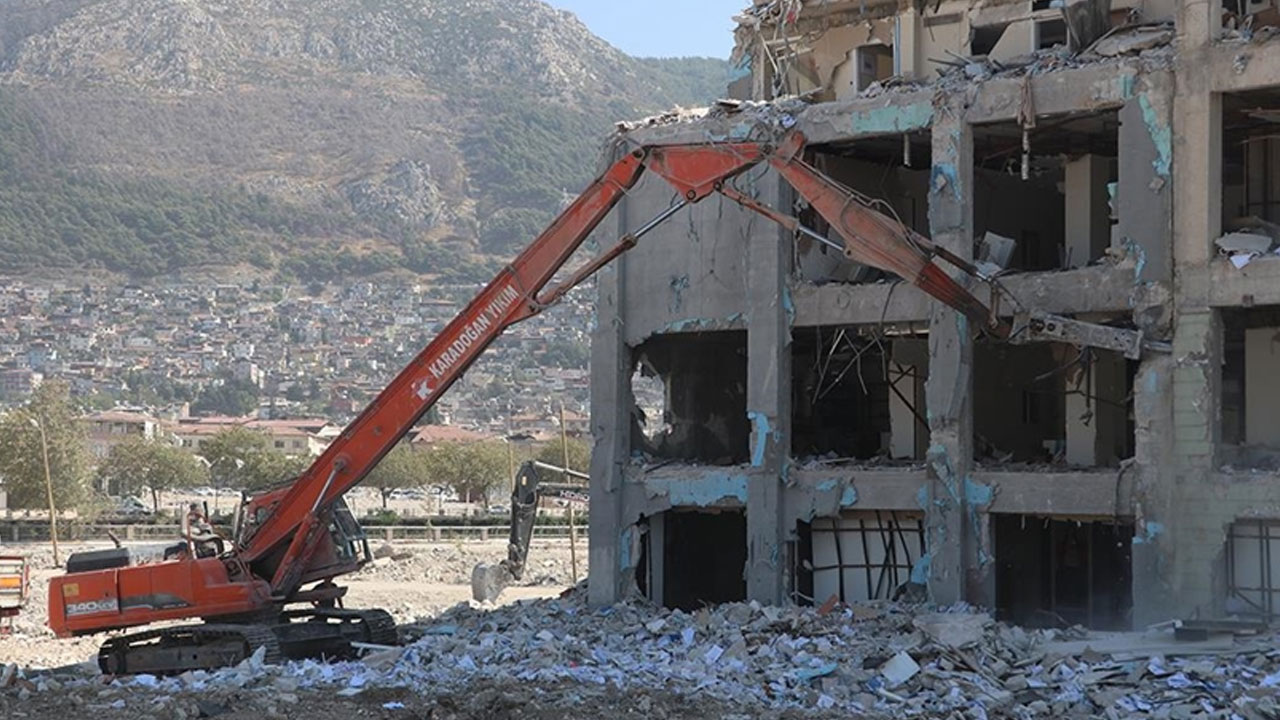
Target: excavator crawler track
(329,632)
(175,650)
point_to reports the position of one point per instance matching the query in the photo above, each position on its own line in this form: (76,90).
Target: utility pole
(573,530)
(48,486)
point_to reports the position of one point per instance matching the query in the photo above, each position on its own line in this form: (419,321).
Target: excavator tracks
(319,633)
(175,650)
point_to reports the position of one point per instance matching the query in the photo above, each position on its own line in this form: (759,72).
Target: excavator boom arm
(283,541)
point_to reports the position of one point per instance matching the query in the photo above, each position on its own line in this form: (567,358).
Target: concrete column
(1197,209)
(1191,532)
(906,49)
(768,395)
(611,403)
(1144,187)
(950,384)
(1199,23)
(1153,486)
(1088,210)
(1197,388)
(1262,386)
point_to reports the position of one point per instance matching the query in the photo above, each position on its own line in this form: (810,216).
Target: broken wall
(690,273)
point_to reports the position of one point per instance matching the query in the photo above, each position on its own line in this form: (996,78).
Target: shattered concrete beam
(1096,289)
(1094,88)
(815,18)
(890,114)
(1093,494)
(1104,86)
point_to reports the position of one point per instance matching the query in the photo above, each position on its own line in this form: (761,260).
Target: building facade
(811,427)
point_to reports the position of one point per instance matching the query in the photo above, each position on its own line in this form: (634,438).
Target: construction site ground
(547,653)
(433,578)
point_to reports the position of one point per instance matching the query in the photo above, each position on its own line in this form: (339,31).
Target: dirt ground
(433,578)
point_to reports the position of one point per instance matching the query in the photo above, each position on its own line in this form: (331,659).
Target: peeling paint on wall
(920,571)
(1161,135)
(703,491)
(849,497)
(943,176)
(977,494)
(1150,531)
(788,306)
(1139,255)
(893,119)
(760,429)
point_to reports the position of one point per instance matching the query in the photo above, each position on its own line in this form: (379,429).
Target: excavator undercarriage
(296,634)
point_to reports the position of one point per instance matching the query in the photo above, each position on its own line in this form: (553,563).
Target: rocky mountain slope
(317,138)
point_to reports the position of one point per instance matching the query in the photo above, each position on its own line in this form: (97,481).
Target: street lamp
(48,486)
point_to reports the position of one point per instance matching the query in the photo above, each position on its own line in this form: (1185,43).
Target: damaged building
(778,423)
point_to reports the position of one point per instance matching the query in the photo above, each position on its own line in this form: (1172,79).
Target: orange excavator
(272,589)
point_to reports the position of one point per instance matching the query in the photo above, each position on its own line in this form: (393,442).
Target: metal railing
(35,532)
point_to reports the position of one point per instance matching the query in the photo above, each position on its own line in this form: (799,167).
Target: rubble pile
(877,660)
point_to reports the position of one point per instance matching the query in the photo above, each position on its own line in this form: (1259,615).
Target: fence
(36,532)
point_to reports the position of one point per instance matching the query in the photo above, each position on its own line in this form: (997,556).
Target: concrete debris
(953,630)
(1243,242)
(1133,40)
(898,670)
(876,660)
(488,582)
(1241,247)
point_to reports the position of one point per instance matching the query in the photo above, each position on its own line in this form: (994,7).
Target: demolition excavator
(273,589)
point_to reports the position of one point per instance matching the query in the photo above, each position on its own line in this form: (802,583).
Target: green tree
(242,459)
(231,454)
(402,468)
(472,470)
(579,455)
(231,397)
(22,464)
(138,462)
(269,469)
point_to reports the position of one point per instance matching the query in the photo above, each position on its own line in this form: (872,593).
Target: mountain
(314,138)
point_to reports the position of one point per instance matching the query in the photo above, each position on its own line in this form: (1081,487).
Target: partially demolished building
(774,422)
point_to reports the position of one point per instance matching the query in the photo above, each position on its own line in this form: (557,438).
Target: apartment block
(777,422)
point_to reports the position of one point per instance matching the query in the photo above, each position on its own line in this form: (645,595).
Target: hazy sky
(661,28)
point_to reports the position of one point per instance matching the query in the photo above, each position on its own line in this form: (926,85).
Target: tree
(241,459)
(231,397)
(138,462)
(473,471)
(402,468)
(269,469)
(230,453)
(22,457)
(579,455)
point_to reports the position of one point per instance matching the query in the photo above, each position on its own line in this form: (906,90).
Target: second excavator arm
(285,537)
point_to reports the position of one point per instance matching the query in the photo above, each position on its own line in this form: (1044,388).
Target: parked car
(408,494)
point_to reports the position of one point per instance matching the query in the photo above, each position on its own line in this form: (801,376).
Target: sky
(661,28)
